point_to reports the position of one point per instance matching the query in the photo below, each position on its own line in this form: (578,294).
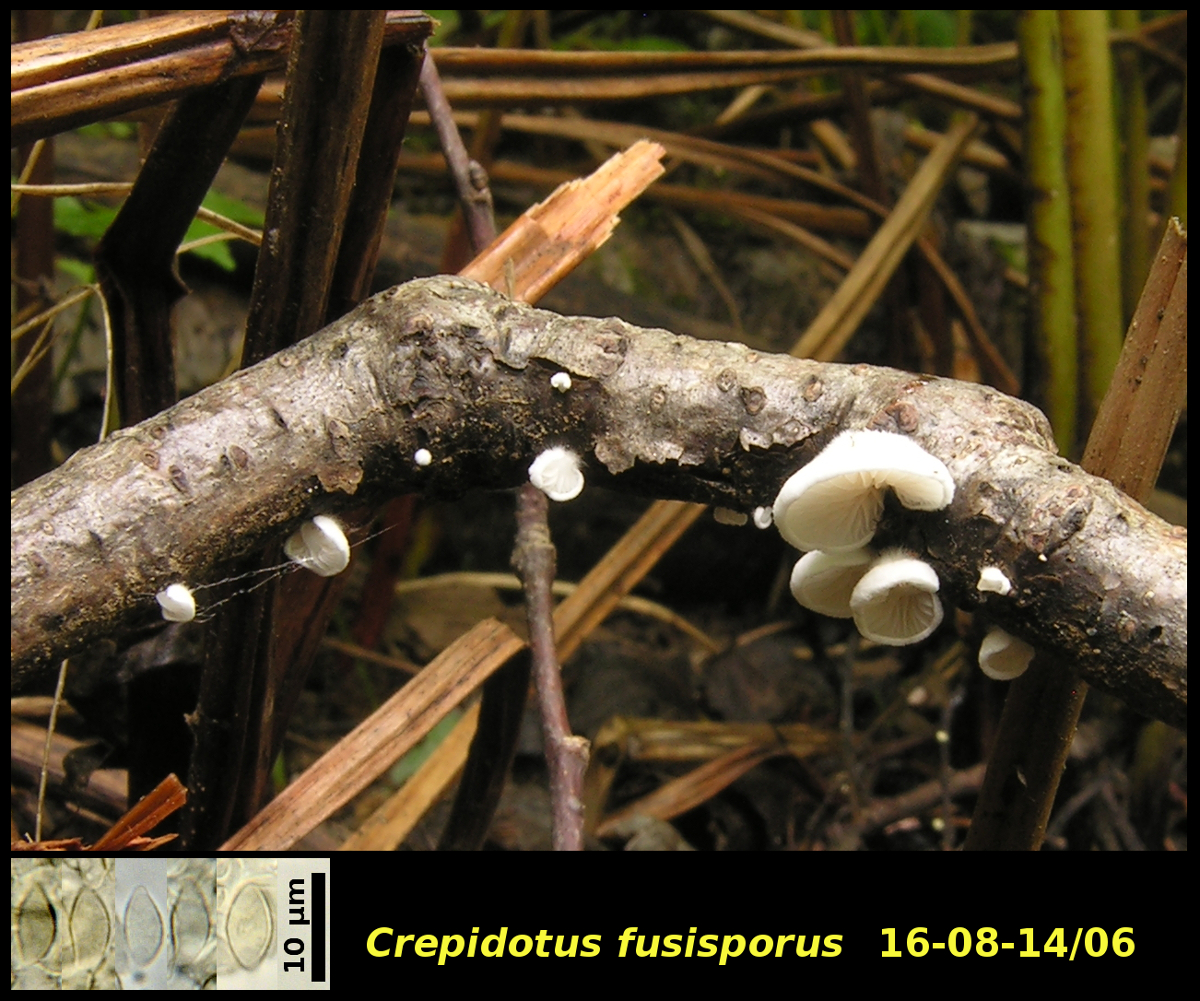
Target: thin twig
(123,188)
(469,176)
(41,800)
(566,755)
(533,556)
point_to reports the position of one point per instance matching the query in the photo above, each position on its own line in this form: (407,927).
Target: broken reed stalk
(1128,443)
(167,797)
(61,83)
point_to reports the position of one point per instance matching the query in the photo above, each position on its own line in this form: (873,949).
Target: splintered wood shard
(568,226)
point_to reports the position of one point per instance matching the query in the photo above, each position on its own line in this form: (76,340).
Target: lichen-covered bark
(450,366)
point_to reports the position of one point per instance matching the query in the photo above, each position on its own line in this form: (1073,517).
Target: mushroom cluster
(831,508)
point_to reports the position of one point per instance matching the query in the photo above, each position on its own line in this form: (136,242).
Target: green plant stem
(1051,254)
(1091,171)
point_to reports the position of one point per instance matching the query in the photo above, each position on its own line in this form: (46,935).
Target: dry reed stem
(386,829)
(65,81)
(841,316)
(703,740)
(1149,390)
(545,62)
(688,791)
(836,219)
(935,86)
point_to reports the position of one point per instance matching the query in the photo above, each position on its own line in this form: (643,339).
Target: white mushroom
(422,457)
(834,503)
(557,474)
(560,381)
(763,516)
(1002,656)
(823,582)
(896,601)
(320,546)
(177,603)
(993,579)
(727,516)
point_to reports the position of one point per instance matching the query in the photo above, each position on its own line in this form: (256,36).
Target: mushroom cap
(320,546)
(556,473)
(833,504)
(896,602)
(177,603)
(995,580)
(1002,656)
(823,582)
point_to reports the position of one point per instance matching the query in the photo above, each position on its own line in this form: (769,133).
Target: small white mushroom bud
(556,473)
(993,579)
(1002,656)
(560,381)
(422,457)
(896,602)
(726,516)
(177,603)
(763,517)
(320,546)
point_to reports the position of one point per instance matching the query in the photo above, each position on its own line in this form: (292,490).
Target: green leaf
(447,23)
(233,209)
(81,271)
(403,769)
(82,219)
(936,27)
(217,253)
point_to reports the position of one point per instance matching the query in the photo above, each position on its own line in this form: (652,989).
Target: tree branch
(453,367)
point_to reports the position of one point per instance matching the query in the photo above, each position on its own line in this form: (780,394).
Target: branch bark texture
(448,365)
